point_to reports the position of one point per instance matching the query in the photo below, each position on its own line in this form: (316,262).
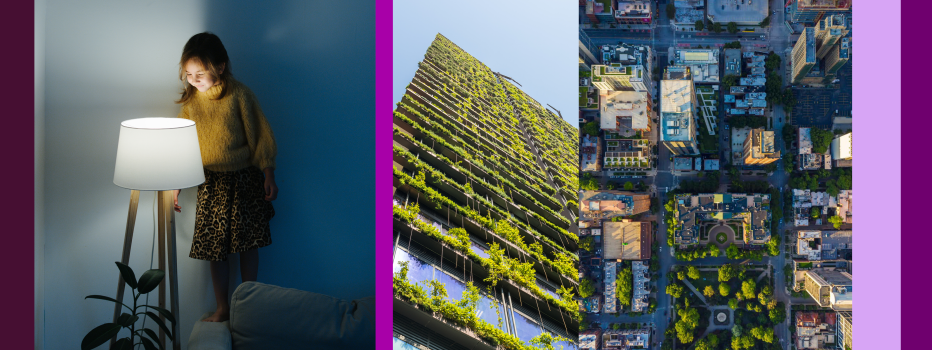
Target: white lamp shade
(158,154)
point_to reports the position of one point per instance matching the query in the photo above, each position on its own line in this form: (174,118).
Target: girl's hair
(205,48)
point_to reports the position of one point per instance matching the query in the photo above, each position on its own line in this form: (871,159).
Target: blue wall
(312,66)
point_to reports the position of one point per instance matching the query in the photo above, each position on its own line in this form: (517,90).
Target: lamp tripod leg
(162,227)
(127,245)
(172,268)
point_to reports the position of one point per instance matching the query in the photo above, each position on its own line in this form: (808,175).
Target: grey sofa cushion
(210,335)
(264,316)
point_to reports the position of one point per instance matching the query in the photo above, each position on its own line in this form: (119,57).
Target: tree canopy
(821,140)
(748,288)
(591,128)
(724,289)
(624,285)
(732,27)
(700,25)
(726,273)
(693,272)
(586,288)
(675,290)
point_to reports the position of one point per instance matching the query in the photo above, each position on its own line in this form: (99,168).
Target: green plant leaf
(161,324)
(123,344)
(149,280)
(148,344)
(99,335)
(163,312)
(101,297)
(151,334)
(128,276)
(127,320)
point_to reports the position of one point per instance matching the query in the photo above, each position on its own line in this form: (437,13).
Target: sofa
(264,316)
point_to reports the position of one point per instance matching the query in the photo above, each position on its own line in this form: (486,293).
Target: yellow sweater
(232,131)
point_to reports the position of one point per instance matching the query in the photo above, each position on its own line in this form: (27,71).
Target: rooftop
(676,110)
(733,62)
(633,9)
(810,46)
(842,146)
(711,164)
(696,56)
(688,15)
(629,105)
(626,240)
(805,141)
(599,7)
(604,205)
(683,163)
(724,11)
(816,5)
(752,211)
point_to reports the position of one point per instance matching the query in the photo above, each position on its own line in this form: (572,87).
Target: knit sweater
(232,131)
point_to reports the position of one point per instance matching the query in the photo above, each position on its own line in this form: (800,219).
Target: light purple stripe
(876,112)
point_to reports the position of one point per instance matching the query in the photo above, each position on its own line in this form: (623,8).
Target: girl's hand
(271,190)
(175,194)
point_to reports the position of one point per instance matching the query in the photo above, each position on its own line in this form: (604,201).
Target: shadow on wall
(312,66)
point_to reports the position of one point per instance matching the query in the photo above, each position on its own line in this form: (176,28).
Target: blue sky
(535,43)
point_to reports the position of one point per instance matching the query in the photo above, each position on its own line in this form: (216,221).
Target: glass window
(564,345)
(398,344)
(479,250)
(454,287)
(486,311)
(418,270)
(547,290)
(525,328)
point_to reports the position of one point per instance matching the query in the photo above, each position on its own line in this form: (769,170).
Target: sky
(535,43)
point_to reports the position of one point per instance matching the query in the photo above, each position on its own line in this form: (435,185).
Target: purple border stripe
(383,185)
(18,203)
(915,172)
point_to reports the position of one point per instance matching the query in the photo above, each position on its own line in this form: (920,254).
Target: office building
(844,330)
(633,12)
(837,57)
(600,11)
(759,148)
(702,63)
(812,11)
(742,13)
(815,330)
(472,196)
(841,150)
(625,68)
(587,51)
(829,287)
(828,32)
(750,213)
(626,240)
(605,205)
(804,55)
(678,113)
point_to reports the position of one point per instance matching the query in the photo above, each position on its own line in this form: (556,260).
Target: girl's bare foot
(218,316)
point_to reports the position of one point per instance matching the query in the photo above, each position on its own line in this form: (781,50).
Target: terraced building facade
(485,203)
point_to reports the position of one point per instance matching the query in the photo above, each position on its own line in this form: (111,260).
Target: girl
(234,203)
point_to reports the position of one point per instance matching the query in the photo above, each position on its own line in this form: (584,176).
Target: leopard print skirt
(232,214)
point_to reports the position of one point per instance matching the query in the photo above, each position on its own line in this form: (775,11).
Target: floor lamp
(157,154)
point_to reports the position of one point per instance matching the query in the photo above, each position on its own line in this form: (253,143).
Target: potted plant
(147,282)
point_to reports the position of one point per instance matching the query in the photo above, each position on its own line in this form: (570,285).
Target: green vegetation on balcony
(424,167)
(485,221)
(463,312)
(499,266)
